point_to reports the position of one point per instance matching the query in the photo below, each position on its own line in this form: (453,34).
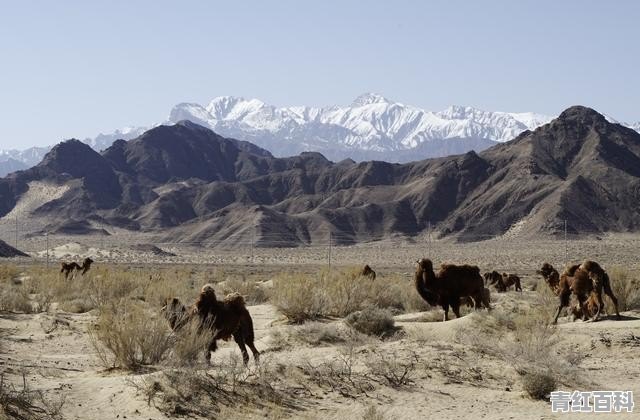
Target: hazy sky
(77,68)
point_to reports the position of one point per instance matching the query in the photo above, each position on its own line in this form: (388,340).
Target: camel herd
(454,284)
(450,287)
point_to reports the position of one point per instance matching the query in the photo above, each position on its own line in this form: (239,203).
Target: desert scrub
(372,321)
(253,292)
(128,335)
(538,385)
(626,288)
(339,293)
(8,272)
(190,343)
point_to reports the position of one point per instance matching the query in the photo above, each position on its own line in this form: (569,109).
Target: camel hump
(589,265)
(235,300)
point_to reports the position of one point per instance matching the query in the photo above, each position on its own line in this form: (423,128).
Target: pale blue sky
(77,68)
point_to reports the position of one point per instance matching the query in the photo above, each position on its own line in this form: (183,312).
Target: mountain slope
(186,183)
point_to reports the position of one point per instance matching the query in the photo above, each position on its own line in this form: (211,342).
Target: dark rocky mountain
(7,251)
(185,183)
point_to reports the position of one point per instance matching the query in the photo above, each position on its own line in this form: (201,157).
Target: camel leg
(237,336)
(518,286)
(564,301)
(609,292)
(254,350)
(584,307)
(211,348)
(455,306)
(486,302)
(445,306)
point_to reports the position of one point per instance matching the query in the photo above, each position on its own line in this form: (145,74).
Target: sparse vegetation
(252,291)
(626,288)
(127,335)
(340,293)
(22,403)
(538,385)
(372,321)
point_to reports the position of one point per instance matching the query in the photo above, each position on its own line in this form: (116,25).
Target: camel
(582,281)
(225,318)
(494,278)
(69,268)
(509,280)
(73,267)
(449,285)
(368,272)
(551,277)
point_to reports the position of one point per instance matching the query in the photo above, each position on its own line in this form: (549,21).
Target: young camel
(227,318)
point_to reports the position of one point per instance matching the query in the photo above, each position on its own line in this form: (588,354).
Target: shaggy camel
(469,301)
(449,285)
(73,267)
(494,278)
(551,277)
(509,280)
(225,318)
(368,272)
(582,281)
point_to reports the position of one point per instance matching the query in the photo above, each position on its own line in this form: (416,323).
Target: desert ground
(54,360)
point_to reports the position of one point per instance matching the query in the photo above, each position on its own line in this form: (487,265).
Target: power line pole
(329,251)
(253,233)
(16,230)
(566,245)
(46,235)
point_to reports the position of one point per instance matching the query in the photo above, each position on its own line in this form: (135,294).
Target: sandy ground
(54,352)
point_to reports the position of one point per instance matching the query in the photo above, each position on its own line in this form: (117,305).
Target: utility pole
(46,235)
(253,233)
(16,230)
(429,239)
(566,245)
(329,251)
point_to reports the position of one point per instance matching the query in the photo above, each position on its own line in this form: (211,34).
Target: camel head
(425,264)
(174,311)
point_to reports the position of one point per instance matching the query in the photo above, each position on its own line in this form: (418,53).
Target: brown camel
(551,277)
(368,272)
(73,267)
(583,280)
(227,318)
(449,285)
(69,268)
(495,279)
(509,280)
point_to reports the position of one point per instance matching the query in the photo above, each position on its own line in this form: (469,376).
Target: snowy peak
(368,99)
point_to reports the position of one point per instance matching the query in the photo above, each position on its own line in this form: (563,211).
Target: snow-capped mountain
(372,127)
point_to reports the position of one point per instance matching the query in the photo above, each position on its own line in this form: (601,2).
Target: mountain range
(186,183)
(371,128)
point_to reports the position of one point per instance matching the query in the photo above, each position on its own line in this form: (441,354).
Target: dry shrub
(253,292)
(189,392)
(127,335)
(22,403)
(372,321)
(338,293)
(191,342)
(538,385)
(15,298)
(626,288)
(395,369)
(526,340)
(316,334)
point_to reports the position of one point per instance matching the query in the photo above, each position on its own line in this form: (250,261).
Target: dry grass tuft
(22,403)
(220,390)
(340,293)
(626,288)
(538,385)
(372,321)
(127,335)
